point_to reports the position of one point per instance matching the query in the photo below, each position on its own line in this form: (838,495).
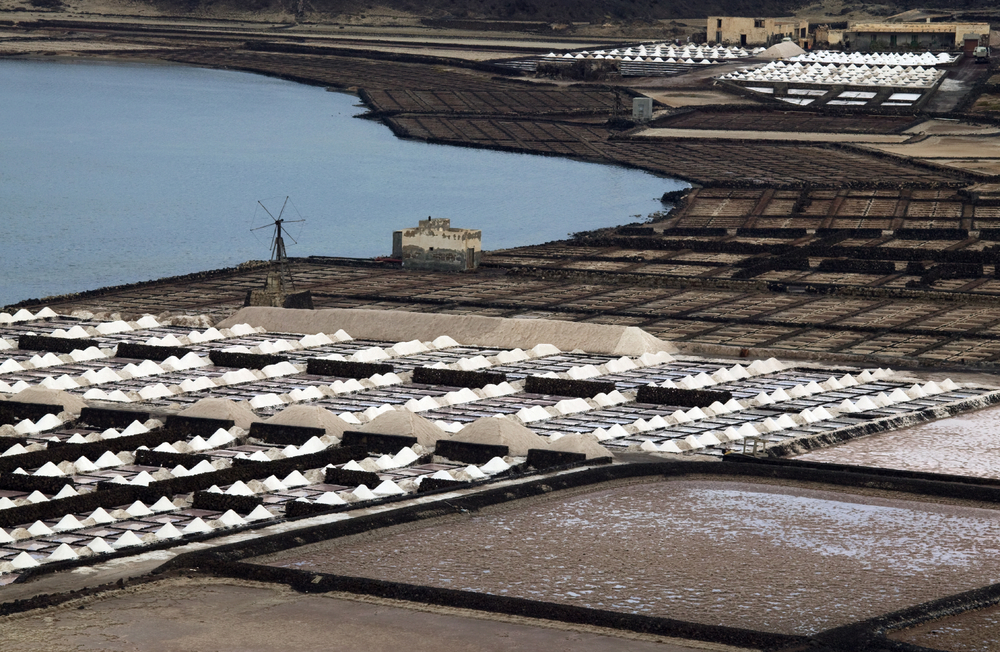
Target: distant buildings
(735,30)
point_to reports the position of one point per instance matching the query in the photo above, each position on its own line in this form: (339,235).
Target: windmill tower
(279,259)
(280,286)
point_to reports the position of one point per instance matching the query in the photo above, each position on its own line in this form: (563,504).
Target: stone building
(917,36)
(435,245)
(736,30)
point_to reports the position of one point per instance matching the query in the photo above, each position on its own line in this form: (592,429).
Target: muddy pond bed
(975,631)
(763,557)
(962,445)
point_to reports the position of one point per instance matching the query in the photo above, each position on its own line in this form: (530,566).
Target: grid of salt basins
(646,59)
(862,80)
(83,484)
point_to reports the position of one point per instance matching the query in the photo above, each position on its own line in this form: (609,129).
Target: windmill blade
(265,209)
(282,211)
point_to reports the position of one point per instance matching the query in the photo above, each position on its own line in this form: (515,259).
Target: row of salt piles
(135,428)
(25,315)
(805,417)
(129,539)
(106,328)
(879,58)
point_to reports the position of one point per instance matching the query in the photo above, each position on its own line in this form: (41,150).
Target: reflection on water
(115,173)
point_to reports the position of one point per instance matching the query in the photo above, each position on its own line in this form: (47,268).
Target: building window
(718,23)
(758,22)
(803,32)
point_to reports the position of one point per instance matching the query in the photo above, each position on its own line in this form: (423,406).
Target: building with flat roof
(435,245)
(923,36)
(737,30)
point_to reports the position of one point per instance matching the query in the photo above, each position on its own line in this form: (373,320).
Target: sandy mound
(311,416)
(400,326)
(581,443)
(404,422)
(222,408)
(501,432)
(783,50)
(69,402)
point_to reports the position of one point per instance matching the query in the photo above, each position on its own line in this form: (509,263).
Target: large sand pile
(404,422)
(581,443)
(44,395)
(222,408)
(501,432)
(311,416)
(400,326)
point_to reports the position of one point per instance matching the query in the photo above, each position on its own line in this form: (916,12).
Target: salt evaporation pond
(762,557)
(962,445)
(973,631)
(114,173)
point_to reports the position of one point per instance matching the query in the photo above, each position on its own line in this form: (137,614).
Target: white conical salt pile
(137,509)
(108,460)
(165,448)
(231,519)
(899,396)
(38,529)
(127,540)
(259,513)
(847,380)
(948,385)
(916,392)
(763,399)
(163,505)
(62,553)
(329,498)
(781,395)
(295,479)
(239,488)
(474,472)
(24,560)
(204,466)
(142,479)
(847,406)
(49,470)
(4,537)
(363,493)
(387,488)
(68,522)
(219,439)
(168,531)
(100,546)
(273,484)
(101,517)
(196,526)
(865,403)
(37,497)
(932,388)
(494,466)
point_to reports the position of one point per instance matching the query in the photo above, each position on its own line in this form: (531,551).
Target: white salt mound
(501,432)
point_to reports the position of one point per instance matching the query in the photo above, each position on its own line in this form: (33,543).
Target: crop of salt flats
(230,616)
(764,557)
(962,445)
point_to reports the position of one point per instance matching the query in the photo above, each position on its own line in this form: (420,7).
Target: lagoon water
(120,172)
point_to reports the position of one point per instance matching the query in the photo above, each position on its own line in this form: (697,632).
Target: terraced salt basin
(962,445)
(764,557)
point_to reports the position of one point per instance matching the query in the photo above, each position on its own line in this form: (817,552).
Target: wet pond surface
(122,172)
(963,445)
(976,631)
(762,557)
